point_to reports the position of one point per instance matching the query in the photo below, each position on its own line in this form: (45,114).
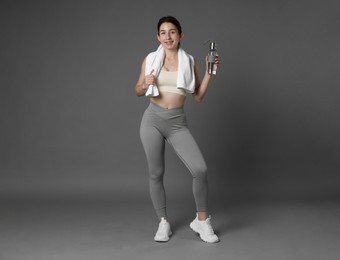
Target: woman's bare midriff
(169,100)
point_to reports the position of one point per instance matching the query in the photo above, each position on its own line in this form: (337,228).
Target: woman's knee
(200,171)
(156,174)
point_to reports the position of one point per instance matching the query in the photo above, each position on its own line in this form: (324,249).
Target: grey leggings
(159,125)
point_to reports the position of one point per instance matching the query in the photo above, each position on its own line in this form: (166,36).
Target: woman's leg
(154,147)
(188,151)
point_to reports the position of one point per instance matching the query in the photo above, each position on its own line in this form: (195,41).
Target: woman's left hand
(217,61)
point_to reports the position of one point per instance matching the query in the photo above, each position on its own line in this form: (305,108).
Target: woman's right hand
(150,79)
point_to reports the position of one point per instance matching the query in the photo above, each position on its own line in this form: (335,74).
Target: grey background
(73,175)
(269,126)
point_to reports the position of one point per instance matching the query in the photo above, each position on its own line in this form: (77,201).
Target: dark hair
(169,19)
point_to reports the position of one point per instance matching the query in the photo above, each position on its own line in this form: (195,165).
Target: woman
(167,76)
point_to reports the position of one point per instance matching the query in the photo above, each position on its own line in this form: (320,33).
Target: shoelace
(208,225)
(163,227)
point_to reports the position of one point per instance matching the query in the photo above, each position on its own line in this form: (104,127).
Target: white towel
(186,74)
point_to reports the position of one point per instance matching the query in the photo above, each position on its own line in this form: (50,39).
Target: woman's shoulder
(151,55)
(191,57)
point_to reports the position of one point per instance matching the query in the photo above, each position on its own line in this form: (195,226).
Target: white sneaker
(204,229)
(164,232)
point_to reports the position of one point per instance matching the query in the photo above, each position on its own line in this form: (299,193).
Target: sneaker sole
(163,241)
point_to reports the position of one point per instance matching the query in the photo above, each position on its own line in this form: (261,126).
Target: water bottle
(212,67)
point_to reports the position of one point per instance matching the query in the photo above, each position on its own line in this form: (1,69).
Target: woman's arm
(140,87)
(202,87)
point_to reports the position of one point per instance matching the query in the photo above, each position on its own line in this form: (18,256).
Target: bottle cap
(212,45)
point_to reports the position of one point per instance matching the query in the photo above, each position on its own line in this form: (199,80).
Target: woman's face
(168,36)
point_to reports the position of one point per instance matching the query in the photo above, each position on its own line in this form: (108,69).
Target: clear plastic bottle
(212,67)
